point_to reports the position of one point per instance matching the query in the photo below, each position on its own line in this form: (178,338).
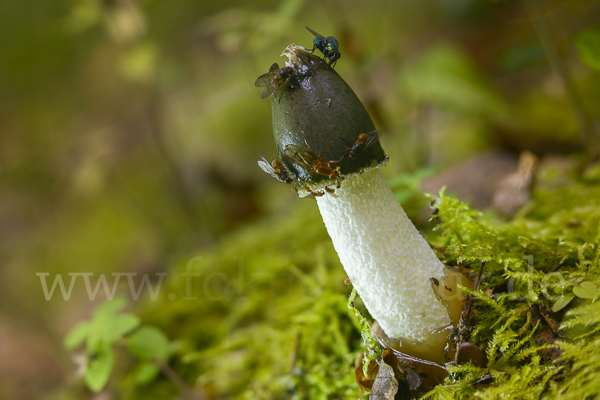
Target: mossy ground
(270,320)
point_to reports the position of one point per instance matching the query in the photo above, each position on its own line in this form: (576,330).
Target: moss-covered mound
(265,316)
(535,311)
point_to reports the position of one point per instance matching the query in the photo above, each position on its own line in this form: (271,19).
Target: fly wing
(267,92)
(274,68)
(262,80)
(314,33)
(265,79)
(374,137)
(263,160)
(265,166)
(333,40)
(349,142)
(298,156)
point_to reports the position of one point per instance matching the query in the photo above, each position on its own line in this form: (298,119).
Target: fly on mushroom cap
(316,123)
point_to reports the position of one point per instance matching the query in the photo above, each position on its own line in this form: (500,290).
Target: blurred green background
(130,130)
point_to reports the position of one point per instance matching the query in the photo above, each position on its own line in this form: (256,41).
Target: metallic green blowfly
(328,46)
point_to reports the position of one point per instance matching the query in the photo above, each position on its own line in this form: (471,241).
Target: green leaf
(146,372)
(94,341)
(108,326)
(107,310)
(149,342)
(562,303)
(98,371)
(119,326)
(109,330)
(77,335)
(588,43)
(585,290)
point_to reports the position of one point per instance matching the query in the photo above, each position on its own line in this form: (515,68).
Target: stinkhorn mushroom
(330,148)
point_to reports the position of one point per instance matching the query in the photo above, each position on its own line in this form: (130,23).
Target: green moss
(270,319)
(264,297)
(534,260)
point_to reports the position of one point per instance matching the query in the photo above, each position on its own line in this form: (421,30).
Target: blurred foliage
(588,42)
(130,133)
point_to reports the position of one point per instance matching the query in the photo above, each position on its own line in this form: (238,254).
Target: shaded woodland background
(129,130)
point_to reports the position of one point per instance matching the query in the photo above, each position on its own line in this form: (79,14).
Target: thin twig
(478,280)
(557,267)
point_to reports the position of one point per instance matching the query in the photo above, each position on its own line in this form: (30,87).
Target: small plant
(107,328)
(580,289)
(372,348)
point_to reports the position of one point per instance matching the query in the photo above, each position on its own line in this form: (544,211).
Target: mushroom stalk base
(385,257)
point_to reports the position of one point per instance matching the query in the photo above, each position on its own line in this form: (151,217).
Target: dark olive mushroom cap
(320,109)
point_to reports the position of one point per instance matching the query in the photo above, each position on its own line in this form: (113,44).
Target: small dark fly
(328,46)
(362,142)
(310,161)
(275,169)
(274,80)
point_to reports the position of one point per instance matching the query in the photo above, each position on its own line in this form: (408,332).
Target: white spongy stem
(385,257)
